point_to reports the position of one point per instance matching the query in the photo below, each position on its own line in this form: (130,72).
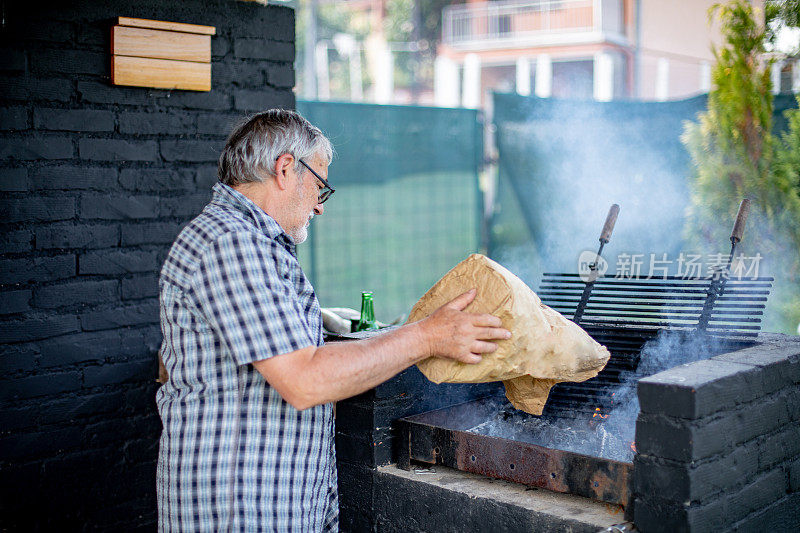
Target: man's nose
(318,209)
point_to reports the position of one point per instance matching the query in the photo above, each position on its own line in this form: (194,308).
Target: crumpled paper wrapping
(544,349)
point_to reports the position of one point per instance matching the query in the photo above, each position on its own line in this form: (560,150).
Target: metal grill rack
(669,302)
(624,313)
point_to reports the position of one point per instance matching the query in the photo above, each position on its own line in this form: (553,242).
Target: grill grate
(662,303)
(624,313)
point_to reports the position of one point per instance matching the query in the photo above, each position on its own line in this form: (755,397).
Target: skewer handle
(741,220)
(608,227)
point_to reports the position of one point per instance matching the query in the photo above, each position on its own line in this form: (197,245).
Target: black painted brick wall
(95,182)
(719,443)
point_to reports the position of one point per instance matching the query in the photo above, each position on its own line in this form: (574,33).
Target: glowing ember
(599,414)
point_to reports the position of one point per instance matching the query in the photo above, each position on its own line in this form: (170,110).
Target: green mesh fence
(407,203)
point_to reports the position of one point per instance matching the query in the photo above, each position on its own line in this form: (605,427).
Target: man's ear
(284,167)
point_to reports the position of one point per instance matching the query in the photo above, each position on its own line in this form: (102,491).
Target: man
(248,428)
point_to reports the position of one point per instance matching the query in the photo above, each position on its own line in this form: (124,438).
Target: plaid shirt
(234,456)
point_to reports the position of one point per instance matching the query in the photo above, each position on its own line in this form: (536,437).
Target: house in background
(579,49)
(601,49)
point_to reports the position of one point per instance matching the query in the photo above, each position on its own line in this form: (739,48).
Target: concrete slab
(533,507)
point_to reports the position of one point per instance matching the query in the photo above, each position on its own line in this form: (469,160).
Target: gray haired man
(247,441)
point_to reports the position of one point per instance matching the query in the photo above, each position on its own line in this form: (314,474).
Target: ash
(606,431)
(609,438)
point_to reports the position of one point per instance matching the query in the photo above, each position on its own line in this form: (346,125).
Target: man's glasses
(326,191)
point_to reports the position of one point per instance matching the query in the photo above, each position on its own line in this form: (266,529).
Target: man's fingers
(487,334)
(482,347)
(471,359)
(487,320)
(460,303)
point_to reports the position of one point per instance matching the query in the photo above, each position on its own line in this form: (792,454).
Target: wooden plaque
(159,44)
(170,26)
(160,73)
(162,55)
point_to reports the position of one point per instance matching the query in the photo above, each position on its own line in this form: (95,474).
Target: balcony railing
(517,20)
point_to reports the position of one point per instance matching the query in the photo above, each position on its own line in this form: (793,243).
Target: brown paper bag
(544,349)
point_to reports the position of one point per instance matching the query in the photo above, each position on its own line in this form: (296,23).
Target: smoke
(667,350)
(562,164)
(609,438)
(609,431)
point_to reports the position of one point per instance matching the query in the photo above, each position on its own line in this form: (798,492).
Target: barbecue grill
(576,445)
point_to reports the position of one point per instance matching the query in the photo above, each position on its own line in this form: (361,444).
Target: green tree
(736,155)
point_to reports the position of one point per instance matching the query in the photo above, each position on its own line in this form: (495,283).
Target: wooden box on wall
(162,55)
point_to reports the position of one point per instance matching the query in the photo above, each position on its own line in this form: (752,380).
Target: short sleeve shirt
(234,456)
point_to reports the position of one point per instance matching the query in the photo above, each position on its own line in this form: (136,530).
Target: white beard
(300,235)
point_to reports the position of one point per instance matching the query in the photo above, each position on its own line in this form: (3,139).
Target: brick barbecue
(717,443)
(718,446)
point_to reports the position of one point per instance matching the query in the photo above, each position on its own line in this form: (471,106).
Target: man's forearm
(343,369)
(317,375)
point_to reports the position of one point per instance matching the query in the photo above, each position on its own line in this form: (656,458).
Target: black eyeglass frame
(326,191)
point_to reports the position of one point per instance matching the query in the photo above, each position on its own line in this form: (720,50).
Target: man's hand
(454,334)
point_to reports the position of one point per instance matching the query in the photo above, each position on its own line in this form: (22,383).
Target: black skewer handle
(741,220)
(608,227)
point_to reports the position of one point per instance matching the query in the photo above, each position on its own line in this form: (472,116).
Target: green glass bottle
(367,320)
